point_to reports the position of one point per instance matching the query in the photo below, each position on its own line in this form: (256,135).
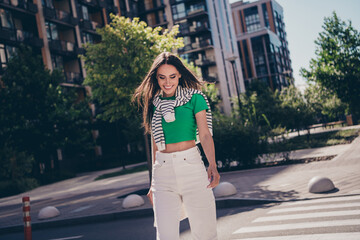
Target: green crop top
(184,126)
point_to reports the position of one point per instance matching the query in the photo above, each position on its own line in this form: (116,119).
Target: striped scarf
(166,108)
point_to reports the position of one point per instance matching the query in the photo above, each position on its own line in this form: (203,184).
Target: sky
(303,22)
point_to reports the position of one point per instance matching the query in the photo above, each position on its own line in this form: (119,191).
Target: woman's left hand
(213,176)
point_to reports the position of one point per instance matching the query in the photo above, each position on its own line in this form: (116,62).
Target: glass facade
(6,19)
(252,19)
(267,43)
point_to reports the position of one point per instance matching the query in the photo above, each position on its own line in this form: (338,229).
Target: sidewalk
(82,200)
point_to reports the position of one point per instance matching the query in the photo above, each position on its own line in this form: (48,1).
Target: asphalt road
(323,219)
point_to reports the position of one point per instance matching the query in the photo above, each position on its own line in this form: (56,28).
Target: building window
(6,52)
(88,38)
(252,19)
(266,15)
(47,3)
(178,11)
(6,19)
(57,62)
(85,12)
(51,31)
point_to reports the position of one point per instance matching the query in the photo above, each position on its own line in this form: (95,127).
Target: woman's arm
(154,149)
(207,143)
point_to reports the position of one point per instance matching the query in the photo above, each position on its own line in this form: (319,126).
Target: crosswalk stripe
(308,215)
(328,206)
(314,201)
(327,236)
(265,228)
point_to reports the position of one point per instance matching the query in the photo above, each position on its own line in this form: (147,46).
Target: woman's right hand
(150,196)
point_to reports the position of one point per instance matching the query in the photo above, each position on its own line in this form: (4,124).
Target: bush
(236,146)
(13,187)
(15,172)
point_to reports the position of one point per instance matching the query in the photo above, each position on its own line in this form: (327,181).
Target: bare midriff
(180,146)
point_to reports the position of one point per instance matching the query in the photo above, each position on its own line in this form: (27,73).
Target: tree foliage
(117,65)
(337,62)
(38,116)
(296,111)
(325,105)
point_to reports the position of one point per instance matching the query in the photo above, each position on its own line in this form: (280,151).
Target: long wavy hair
(149,87)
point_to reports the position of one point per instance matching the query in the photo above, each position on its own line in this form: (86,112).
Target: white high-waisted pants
(180,180)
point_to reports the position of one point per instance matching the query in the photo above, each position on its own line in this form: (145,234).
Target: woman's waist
(179,146)
(189,152)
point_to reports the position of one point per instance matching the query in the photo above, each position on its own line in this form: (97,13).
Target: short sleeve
(199,103)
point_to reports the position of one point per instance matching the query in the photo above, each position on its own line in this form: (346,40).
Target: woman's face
(168,79)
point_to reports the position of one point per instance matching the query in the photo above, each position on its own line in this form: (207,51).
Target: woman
(176,114)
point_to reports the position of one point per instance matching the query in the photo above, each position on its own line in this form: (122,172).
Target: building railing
(17,35)
(62,15)
(196,9)
(209,60)
(196,45)
(60,45)
(73,77)
(90,25)
(211,77)
(21,4)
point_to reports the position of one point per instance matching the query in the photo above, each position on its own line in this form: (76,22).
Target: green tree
(325,105)
(261,107)
(117,65)
(38,116)
(337,62)
(297,113)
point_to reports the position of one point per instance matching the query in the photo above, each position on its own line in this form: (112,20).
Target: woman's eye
(172,77)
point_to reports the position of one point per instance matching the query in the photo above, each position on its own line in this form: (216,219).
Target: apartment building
(261,38)
(57,29)
(209,39)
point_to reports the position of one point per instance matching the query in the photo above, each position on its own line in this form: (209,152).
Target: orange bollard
(27,218)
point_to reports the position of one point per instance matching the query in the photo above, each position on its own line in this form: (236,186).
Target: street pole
(232,61)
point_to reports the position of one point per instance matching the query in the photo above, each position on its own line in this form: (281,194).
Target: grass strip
(315,140)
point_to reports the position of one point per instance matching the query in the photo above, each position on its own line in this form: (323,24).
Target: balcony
(211,78)
(89,25)
(21,5)
(196,46)
(49,13)
(64,48)
(73,77)
(210,60)
(28,38)
(187,29)
(94,3)
(20,36)
(112,8)
(65,17)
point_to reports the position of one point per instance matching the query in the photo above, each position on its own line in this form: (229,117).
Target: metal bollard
(27,218)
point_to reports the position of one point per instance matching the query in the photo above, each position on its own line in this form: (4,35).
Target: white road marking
(328,236)
(265,228)
(68,238)
(335,199)
(308,215)
(328,206)
(81,209)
